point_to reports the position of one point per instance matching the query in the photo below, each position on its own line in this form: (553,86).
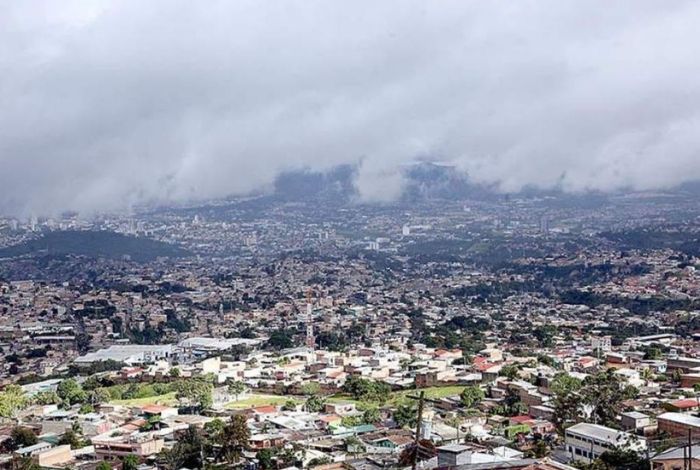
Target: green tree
(235,388)
(22,437)
(315,403)
(237,436)
(280,339)
(194,392)
(71,392)
(266,459)
(175,372)
(510,371)
(12,401)
(71,438)
(367,390)
(471,396)
(99,396)
(214,431)
(405,416)
(371,415)
(605,392)
(130,462)
(103,466)
(46,398)
(311,388)
(289,405)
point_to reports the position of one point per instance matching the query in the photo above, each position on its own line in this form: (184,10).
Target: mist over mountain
(107,106)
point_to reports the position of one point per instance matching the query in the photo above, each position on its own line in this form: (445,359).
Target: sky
(108,104)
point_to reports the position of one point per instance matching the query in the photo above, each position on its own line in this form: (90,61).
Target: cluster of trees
(604,393)
(281,339)
(471,396)
(367,390)
(218,441)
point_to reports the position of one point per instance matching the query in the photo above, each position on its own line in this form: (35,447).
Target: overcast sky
(111,103)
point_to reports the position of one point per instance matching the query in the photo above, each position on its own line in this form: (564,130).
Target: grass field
(259,400)
(166,399)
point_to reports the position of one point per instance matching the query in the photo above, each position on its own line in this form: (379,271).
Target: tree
(70,438)
(371,415)
(235,388)
(12,401)
(237,436)
(315,403)
(103,466)
(71,392)
(99,396)
(24,463)
(471,396)
(512,405)
(82,342)
(605,392)
(367,390)
(623,459)
(86,408)
(311,388)
(130,462)
(509,371)
(214,431)
(564,383)
(22,437)
(187,452)
(315,462)
(289,405)
(405,416)
(280,339)
(46,398)
(266,459)
(194,392)
(174,372)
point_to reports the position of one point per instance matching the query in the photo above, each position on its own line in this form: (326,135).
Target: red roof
(685,403)
(153,409)
(520,419)
(268,409)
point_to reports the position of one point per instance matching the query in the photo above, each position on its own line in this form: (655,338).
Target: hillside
(95,244)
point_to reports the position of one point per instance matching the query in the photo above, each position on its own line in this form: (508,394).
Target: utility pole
(690,449)
(418,424)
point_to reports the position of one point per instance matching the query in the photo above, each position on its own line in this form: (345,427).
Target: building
(601,343)
(679,424)
(586,442)
(634,420)
(676,459)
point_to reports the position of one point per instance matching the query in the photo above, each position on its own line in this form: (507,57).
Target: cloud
(108,104)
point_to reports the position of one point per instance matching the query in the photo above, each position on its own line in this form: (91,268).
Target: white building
(601,343)
(586,442)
